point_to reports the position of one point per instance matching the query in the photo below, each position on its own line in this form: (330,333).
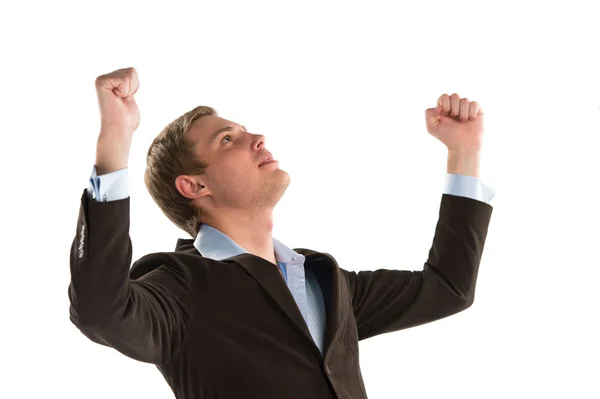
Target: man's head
(202,167)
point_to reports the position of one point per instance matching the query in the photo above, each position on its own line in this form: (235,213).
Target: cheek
(239,173)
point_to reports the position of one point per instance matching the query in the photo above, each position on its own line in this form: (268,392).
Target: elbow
(467,303)
(87,325)
(93,310)
(88,321)
(87,328)
(79,314)
(468,296)
(457,303)
(469,299)
(464,303)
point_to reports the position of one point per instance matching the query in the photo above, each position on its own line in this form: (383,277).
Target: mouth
(268,160)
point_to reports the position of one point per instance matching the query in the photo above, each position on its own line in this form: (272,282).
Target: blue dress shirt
(303,285)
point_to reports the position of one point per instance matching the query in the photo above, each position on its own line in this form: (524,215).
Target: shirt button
(105,198)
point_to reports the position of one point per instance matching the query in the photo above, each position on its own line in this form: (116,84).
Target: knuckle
(130,72)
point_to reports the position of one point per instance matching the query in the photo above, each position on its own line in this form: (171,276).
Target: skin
(238,197)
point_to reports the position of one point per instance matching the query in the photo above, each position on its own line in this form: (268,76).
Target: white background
(340,92)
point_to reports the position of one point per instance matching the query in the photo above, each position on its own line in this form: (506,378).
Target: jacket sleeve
(390,300)
(145,319)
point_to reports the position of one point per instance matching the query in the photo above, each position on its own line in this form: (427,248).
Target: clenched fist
(120,117)
(116,97)
(456,122)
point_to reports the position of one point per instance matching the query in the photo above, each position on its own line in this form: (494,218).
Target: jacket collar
(214,244)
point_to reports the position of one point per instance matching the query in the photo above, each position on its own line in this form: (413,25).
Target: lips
(266,159)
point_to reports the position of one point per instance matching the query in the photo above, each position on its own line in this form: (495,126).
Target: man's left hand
(456,122)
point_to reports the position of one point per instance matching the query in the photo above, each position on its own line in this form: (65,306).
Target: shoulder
(176,262)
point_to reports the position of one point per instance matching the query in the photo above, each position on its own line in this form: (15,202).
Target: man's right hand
(120,117)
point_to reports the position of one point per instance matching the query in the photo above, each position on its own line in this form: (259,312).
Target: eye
(225,138)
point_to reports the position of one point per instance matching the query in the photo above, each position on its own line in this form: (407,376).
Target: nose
(259,141)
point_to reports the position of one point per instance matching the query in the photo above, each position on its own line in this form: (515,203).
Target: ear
(191,186)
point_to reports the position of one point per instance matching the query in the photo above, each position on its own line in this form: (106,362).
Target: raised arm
(145,319)
(390,300)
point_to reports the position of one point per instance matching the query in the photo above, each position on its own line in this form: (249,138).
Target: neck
(253,231)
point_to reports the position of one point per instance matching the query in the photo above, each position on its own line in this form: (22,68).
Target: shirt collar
(214,244)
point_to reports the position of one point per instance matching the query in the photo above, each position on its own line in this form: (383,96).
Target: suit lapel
(326,270)
(334,292)
(267,275)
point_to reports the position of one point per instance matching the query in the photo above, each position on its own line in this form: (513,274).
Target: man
(232,312)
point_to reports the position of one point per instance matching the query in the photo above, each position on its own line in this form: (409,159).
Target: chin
(277,186)
(285,178)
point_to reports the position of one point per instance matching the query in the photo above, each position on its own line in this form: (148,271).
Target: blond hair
(171,154)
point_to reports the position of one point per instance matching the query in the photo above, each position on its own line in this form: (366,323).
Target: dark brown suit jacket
(232,330)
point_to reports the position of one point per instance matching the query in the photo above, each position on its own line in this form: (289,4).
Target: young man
(232,312)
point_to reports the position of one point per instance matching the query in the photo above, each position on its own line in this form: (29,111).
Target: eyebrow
(221,130)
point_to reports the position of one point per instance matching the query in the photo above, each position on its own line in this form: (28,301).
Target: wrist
(464,162)
(112,153)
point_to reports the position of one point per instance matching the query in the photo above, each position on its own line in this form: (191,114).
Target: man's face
(233,177)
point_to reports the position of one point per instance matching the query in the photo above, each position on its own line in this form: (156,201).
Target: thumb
(433,115)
